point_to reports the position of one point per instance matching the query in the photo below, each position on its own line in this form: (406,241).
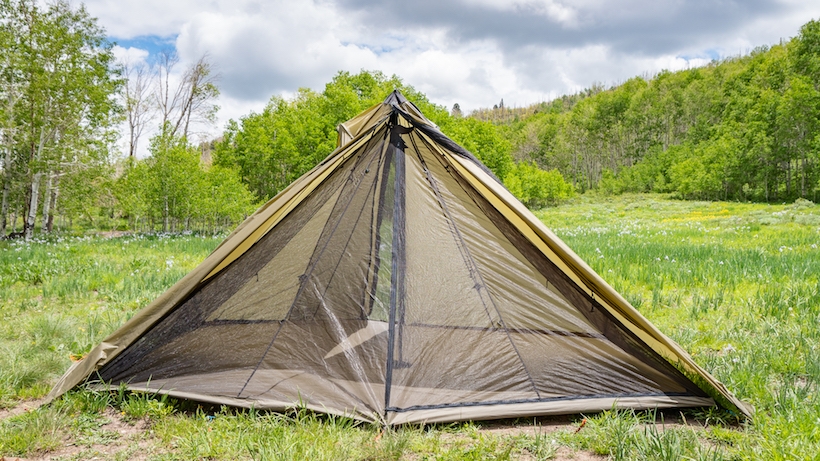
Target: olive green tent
(399,281)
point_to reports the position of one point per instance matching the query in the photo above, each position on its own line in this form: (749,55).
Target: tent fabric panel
(568,365)
(269,294)
(519,291)
(613,328)
(207,349)
(586,279)
(442,291)
(310,395)
(330,298)
(344,380)
(338,271)
(143,320)
(554,407)
(505,256)
(197,309)
(269,215)
(441,287)
(355,126)
(456,366)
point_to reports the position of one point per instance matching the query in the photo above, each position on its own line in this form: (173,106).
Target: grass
(737,285)
(60,296)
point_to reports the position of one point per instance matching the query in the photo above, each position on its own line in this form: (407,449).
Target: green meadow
(737,285)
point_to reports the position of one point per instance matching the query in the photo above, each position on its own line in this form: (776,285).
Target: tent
(399,281)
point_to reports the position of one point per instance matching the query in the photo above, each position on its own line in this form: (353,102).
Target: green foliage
(537,188)
(57,82)
(172,187)
(484,140)
(273,148)
(289,137)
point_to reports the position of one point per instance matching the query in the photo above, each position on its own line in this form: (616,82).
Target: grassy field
(738,285)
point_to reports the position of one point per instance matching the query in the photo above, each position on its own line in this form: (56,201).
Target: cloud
(130,55)
(272,49)
(634,26)
(474,52)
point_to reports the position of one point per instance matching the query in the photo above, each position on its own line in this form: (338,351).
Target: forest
(743,129)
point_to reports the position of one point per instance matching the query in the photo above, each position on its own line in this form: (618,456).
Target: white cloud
(130,55)
(273,50)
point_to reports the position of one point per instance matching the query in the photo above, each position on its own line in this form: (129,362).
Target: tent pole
(396,314)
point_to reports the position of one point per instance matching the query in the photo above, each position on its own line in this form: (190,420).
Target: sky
(471,52)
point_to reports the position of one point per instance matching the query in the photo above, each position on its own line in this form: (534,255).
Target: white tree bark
(46,204)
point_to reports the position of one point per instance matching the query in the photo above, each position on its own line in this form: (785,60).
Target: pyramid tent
(399,281)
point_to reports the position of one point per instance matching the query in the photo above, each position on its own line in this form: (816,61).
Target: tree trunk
(4,208)
(46,205)
(165,216)
(34,198)
(55,193)
(803,175)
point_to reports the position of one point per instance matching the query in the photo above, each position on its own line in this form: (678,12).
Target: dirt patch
(113,234)
(20,408)
(540,426)
(114,438)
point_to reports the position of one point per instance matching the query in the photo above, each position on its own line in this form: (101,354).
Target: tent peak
(395,98)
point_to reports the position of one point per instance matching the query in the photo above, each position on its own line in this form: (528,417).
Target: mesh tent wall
(399,281)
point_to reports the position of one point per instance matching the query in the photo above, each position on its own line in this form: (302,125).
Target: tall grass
(738,285)
(59,296)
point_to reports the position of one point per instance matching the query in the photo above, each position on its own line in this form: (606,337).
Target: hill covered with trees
(744,128)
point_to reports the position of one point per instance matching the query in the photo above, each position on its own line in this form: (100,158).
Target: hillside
(743,128)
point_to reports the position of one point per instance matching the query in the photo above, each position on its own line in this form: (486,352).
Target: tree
(289,137)
(485,141)
(191,100)
(173,188)
(64,77)
(139,110)
(537,188)
(805,52)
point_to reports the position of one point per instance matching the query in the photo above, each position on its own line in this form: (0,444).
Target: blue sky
(153,44)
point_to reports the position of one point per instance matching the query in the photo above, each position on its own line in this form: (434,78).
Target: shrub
(537,188)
